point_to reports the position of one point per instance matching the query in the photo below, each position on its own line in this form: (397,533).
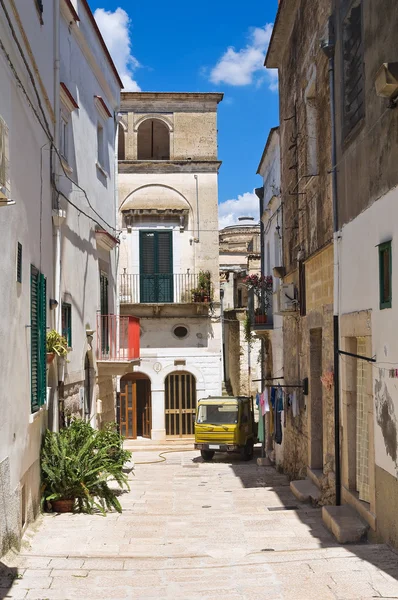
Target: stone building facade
(367,195)
(307,234)
(169,266)
(239,257)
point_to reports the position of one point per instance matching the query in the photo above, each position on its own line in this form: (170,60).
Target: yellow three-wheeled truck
(225,424)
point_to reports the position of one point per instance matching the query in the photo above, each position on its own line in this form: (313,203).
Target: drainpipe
(262,267)
(57,213)
(328,47)
(197,206)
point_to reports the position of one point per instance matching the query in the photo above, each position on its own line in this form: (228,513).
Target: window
(63,138)
(100,145)
(385,271)
(67,323)
(353,69)
(104,309)
(156,266)
(153,140)
(37,338)
(19,263)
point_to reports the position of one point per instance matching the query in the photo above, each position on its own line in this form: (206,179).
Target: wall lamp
(386,83)
(53,303)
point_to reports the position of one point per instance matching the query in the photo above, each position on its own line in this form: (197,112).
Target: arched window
(121,150)
(153,140)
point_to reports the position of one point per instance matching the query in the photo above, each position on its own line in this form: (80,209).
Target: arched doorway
(135,414)
(180,404)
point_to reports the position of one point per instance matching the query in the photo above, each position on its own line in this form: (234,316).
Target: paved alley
(224,530)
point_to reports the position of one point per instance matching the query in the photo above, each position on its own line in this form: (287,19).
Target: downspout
(197,207)
(57,215)
(262,267)
(328,47)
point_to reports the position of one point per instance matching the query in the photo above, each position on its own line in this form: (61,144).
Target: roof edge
(102,42)
(218,96)
(267,144)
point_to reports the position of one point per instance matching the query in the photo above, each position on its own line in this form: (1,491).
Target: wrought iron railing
(181,288)
(118,338)
(261,309)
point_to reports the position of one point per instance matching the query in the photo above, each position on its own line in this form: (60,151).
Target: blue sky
(215,46)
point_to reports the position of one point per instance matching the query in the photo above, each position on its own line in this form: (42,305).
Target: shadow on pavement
(7,578)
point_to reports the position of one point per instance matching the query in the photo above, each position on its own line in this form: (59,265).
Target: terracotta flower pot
(260,318)
(50,357)
(63,506)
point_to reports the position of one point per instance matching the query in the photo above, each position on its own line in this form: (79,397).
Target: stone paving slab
(197,531)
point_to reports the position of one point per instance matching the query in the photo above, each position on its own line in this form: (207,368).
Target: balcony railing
(118,338)
(162,288)
(261,317)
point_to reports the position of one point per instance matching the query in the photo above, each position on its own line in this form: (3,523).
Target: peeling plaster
(386,417)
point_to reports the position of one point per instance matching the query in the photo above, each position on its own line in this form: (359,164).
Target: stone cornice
(169,102)
(280,37)
(169,166)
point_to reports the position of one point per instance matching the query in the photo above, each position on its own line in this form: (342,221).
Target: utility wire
(45,127)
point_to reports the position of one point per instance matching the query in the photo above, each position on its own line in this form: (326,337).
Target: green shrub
(80,462)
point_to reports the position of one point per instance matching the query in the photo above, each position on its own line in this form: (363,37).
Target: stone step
(345,523)
(305,491)
(316,476)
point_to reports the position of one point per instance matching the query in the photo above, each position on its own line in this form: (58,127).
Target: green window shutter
(34,338)
(38,332)
(104,293)
(67,323)
(19,263)
(42,337)
(385,275)
(156,266)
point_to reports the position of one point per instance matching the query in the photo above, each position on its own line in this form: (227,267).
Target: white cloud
(114,27)
(246,205)
(246,65)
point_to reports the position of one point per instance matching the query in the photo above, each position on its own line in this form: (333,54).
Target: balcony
(261,311)
(118,343)
(173,288)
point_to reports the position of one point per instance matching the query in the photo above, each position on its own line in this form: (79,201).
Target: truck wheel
(207,454)
(247,451)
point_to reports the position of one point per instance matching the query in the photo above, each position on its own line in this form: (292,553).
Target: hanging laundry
(295,408)
(260,432)
(266,401)
(278,427)
(257,399)
(273,394)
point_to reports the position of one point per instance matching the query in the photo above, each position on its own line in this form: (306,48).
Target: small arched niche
(153,141)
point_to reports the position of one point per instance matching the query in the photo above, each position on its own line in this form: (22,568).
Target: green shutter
(42,338)
(38,332)
(19,263)
(34,338)
(385,275)
(67,323)
(156,266)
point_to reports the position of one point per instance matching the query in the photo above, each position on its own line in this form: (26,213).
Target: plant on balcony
(247,330)
(77,465)
(56,344)
(202,293)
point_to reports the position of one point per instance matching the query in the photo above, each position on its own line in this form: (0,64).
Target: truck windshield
(218,414)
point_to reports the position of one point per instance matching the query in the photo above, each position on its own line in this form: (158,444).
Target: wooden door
(147,410)
(180,404)
(128,409)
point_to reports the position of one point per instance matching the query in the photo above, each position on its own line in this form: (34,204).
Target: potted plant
(56,344)
(261,286)
(77,465)
(204,279)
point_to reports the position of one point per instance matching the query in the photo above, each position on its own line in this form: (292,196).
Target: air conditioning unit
(286,299)
(5,194)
